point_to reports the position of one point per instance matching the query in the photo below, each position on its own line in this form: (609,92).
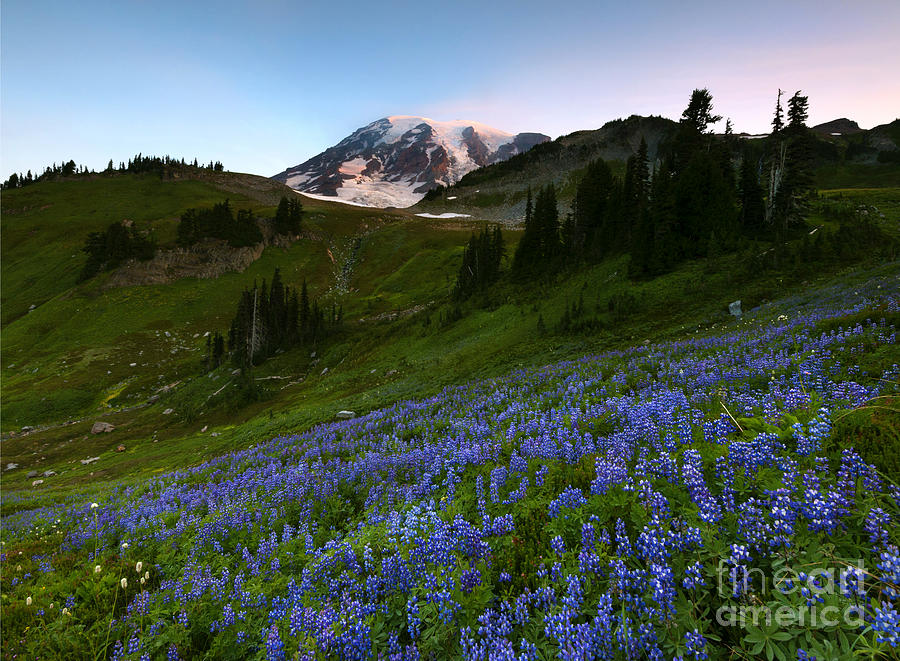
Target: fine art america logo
(789,597)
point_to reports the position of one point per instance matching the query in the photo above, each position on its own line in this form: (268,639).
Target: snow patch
(332,198)
(444,215)
(353,168)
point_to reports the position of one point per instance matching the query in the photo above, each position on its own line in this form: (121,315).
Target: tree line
(140,164)
(692,201)
(701,195)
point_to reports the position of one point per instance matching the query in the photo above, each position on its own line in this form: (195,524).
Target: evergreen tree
(790,177)
(288,216)
(704,204)
(778,119)
(664,222)
(798,111)
(528,250)
(593,211)
(635,191)
(691,136)
(753,209)
(546,215)
(218,351)
(699,113)
(277,312)
(304,313)
(481,263)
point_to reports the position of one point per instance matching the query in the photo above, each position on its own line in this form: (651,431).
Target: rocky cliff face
(394,161)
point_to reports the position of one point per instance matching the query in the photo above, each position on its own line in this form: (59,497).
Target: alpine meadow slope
(577,459)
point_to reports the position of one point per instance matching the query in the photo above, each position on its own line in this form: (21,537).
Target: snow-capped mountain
(394,161)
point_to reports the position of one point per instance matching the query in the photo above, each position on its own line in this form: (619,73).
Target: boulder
(11,466)
(100,427)
(121,448)
(89,460)
(31,474)
(49,473)
(37,482)
(345,415)
(168,411)
(735,309)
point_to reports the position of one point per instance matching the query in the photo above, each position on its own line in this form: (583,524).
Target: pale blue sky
(265,85)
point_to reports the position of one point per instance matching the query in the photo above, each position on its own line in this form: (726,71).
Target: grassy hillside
(499,427)
(569,505)
(128,355)
(45,225)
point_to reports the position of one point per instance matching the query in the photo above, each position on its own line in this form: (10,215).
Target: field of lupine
(686,500)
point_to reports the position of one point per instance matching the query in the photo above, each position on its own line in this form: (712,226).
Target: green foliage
(481,263)
(272,319)
(288,216)
(539,249)
(108,250)
(219,222)
(873,431)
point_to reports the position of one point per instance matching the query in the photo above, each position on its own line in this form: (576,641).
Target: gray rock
(168,411)
(735,309)
(100,427)
(345,415)
(11,466)
(90,460)
(31,474)
(37,482)
(49,473)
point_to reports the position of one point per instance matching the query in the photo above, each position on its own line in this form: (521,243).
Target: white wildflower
(124,582)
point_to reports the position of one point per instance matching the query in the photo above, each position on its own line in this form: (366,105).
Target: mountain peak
(842,126)
(395,160)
